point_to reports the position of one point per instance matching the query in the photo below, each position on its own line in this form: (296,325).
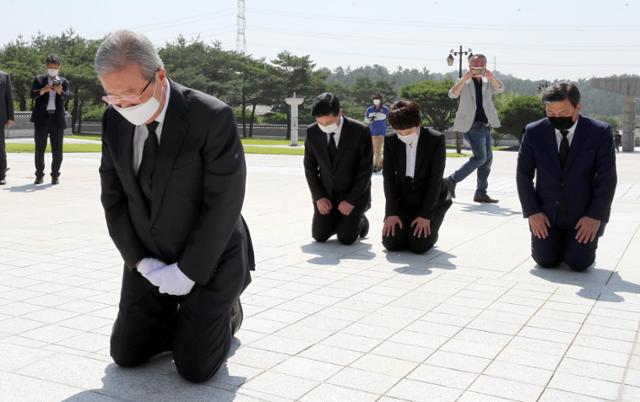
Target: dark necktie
(150,150)
(333,149)
(564,147)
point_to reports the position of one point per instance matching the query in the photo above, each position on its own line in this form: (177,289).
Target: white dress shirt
(572,130)
(412,151)
(141,133)
(336,137)
(51,105)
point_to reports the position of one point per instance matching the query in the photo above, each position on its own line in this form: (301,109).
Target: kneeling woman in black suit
(416,197)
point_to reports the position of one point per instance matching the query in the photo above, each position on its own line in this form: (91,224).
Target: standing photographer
(50,92)
(475,117)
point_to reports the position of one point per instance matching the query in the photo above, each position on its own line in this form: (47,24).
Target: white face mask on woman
(140,114)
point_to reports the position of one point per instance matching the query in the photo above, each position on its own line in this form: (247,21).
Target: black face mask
(561,123)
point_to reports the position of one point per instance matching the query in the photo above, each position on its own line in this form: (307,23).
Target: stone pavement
(472,320)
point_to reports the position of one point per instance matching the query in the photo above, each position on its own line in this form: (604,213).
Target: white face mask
(409,139)
(376,102)
(330,128)
(140,114)
(53,72)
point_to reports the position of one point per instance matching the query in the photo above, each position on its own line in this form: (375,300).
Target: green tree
(361,92)
(438,110)
(22,63)
(202,66)
(516,112)
(614,121)
(297,74)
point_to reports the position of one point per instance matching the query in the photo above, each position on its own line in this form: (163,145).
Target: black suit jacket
(6,99)
(586,185)
(349,177)
(426,190)
(198,187)
(39,113)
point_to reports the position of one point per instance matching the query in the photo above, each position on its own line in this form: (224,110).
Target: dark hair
(561,91)
(404,114)
(377,96)
(325,104)
(53,59)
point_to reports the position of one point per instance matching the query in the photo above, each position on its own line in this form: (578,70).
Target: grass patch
(84,137)
(260,141)
(248,149)
(67,148)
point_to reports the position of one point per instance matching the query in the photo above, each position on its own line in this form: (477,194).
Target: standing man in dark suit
(173,182)
(573,160)
(6,119)
(416,196)
(338,164)
(50,92)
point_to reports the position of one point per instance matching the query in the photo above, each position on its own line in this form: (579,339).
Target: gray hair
(478,56)
(123,48)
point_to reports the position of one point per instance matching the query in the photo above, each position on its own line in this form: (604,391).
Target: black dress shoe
(54,181)
(38,180)
(236,316)
(484,199)
(364,226)
(452,186)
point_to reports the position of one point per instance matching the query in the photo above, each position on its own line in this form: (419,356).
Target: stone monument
(630,88)
(294,102)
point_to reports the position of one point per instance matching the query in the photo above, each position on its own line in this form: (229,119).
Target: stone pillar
(628,124)
(294,102)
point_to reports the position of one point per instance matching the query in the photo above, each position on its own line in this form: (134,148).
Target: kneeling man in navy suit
(574,163)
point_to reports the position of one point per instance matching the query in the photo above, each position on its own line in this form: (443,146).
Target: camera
(55,82)
(477,71)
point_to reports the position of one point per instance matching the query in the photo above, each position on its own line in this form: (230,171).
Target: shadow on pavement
(28,188)
(332,251)
(489,209)
(157,380)
(419,264)
(596,283)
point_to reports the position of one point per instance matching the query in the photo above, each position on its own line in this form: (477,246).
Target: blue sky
(539,39)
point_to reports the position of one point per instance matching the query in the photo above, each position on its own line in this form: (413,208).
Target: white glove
(146,265)
(171,280)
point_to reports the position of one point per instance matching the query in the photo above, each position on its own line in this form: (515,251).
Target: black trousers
(55,133)
(3,154)
(404,239)
(347,227)
(195,327)
(561,246)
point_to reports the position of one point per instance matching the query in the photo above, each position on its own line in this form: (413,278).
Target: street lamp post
(542,85)
(459,53)
(450,60)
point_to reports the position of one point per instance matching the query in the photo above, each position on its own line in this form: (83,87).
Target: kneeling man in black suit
(173,181)
(337,164)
